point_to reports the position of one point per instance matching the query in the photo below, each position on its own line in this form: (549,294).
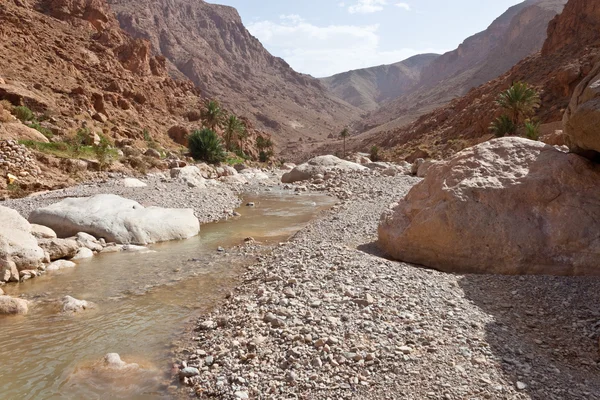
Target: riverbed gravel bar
(209,204)
(325,316)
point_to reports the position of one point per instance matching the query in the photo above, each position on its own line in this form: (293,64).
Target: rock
(320,165)
(582,117)
(416,165)
(234,180)
(188,372)
(19,249)
(117,220)
(100,117)
(13,306)
(60,264)
(152,153)
(88,241)
(179,135)
(18,131)
(132,183)
(72,305)
(59,248)
(424,167)
(509,206)
(378,166)
(83,253)
(392,171)
(42,232)
(113,361)
(192,176)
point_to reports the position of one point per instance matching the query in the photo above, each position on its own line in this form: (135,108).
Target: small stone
(241,395)
(521,386)
(189,372)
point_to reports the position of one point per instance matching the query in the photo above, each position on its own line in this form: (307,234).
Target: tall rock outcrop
(209,44)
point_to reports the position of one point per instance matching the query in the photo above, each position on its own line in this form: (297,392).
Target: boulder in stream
(72,305)
(13,306)
(19,249)
(118,220)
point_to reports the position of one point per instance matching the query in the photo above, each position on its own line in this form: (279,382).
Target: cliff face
(209,44)
(569,55)
(70,59)
(577,26)
(518,33)
(368,88)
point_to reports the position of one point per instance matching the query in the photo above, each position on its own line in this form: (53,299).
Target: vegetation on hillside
(205,145)
(265,148)
(344,134)
(212,115)
(519,103)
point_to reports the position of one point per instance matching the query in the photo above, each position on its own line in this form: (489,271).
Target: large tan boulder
(320,166)
(18,131)
(582,118)
(19,249)
(508,206)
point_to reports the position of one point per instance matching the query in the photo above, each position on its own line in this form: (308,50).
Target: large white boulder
(19,249)
(132,183)
(117,219)
(508,206)
(191,176)
(320,166)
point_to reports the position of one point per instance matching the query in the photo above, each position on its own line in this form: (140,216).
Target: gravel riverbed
(210,204)
(325,316)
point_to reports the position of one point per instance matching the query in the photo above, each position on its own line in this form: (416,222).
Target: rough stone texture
(19,249)
(423,334)
(83,254)
(192,176)
(132,183)
(117,219)
(72,305)
(509,206)
(320,166)
(13,306)
(59,248)
(42,232)
(19,131)
(60,264)
(17,160)
(582,118)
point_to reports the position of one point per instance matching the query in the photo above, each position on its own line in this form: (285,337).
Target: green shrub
(23,113)
(103,152)
(205,145)
(44,131)
(374,154)
(503,125)
(532,130)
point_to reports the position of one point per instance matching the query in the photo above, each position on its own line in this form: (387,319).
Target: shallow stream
(143,303)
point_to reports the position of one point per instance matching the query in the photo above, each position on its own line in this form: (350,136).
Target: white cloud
(405,6)
(367,6)
(327,50)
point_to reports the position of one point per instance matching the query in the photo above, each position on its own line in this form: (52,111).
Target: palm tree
(212,114)
(233,128)
(344,134)
(502,126)
(242,136)
(520,101)
(206,145)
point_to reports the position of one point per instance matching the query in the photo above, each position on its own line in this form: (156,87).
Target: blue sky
(324,37)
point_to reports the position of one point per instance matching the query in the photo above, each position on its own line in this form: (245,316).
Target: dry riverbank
(324,316)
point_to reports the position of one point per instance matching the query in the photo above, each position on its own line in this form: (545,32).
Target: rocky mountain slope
(209,44)
(73,66)
(516,34)
(568,56)
(368,88)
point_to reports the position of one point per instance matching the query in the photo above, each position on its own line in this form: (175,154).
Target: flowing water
(143,303)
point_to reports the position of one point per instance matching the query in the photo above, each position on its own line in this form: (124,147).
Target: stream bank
(326,316)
